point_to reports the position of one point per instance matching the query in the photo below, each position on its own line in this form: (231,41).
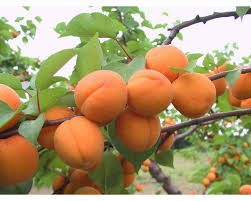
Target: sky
(199,38)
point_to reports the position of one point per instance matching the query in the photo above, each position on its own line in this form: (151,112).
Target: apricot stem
(38,104)
(130,58)
(28,117)
(27,92)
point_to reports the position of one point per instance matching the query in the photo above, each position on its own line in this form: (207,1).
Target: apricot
(242,87)
(245,104)
(14,34)
(149,92)
(245,190)
(147,162)
(129,179)
(145,168)
(9,96)
(211,176)
(87,190)
(46,135)
(212,170)
(221,68)
(127,166)
(70,188)
(79,143)
(194,94)
(18,159)
(226,155)
(70,171)
(136,132)
(206,181)
(191,193)
(58,182)
(139,187)
(245,145)
(168,142)
(101,96)
(220,84)
(233,101)
(163,57)
(221,160)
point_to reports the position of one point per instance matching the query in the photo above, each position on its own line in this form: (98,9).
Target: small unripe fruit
(139,187)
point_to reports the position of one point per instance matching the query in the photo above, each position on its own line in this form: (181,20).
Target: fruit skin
(191,193)
(161,58)
(221,160)
(211,176)
(245,190)
(79,143)
(136,132)
(212,170)
(70,171)
(245,104)
(9,96)
(46,135)
(14,34)
(233,101)
(168,143)
(147,162)
(87,190)
(145,168)
(129,179)
(242,86)
(58,182)
(139,187)
(101,96)
(193,94)
(18,159)
(127,166)
(245,145)
(220,84)
(149,92)
(206,181)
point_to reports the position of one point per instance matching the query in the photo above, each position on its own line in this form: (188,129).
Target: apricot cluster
(146,164)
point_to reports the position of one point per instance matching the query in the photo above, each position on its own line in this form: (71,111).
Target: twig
(27,92)
(130,58)
(159,176)
(175,30)
(188,132)
(121,20)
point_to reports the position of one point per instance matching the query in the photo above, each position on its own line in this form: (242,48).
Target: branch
(188,132)
(200,120)
(159,176)
(224,73)
(175,30)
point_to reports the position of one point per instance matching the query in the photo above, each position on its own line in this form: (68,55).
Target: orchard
(130,105)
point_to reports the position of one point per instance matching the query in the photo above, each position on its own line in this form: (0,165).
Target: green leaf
(220,139)
(6,113)
(60,28)
(51,65)
(68,100)
(109,175)
(26,7)
(21,188)
(18,19)
(234,182)
(180,36)
(127,70)
(38,18)
(89,58)
(136,158)
(11,81)
(54,80)
(86,25)
(30,129)
(177,69)
(192,61)
(242,10)
(6,34)
(25,39)
(217,187)
(32,108)
(165,158)
(232,77)
(208,60)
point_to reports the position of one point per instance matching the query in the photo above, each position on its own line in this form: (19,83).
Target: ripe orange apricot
(139,187)
(206,181)
(163,57)
(245,104)
(245,145)
(221,160)
(233,101)
(226,155)
(221,68)
(70,171)
(191,193)
(9,96)
(101,96)
(58,182)
(242,87)
(212,170)
(79,143)
(70,188)
(211,176)
(127,166)
(168,143)
(220,84)
(149,92)
(136,132)
(14,34)
(194,94)
(129,179)
(237,157)
(147,162)
(46,135)
(18,159)
(87,190)
(245,190)
(145,168)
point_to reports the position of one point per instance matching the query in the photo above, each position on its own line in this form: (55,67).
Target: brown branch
(121,20)
(159,176)
(188,132)
(224,73)
(175,30)
(200,120)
